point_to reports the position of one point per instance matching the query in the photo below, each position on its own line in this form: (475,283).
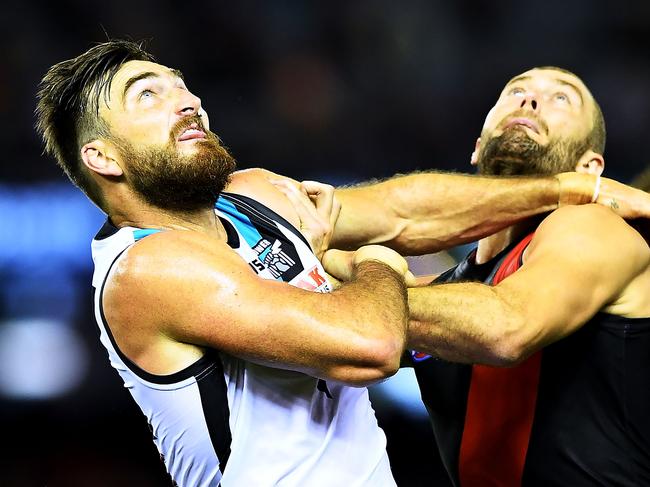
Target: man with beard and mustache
(247,376)
(208,312)
(558,393)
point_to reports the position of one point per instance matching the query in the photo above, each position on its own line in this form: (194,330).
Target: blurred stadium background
(338,91)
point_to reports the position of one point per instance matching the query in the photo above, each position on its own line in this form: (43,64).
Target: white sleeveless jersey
(225,421)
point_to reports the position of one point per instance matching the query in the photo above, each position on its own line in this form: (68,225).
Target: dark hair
(596,138)
(67,113)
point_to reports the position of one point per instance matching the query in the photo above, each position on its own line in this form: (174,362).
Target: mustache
(521,113)
(184,123)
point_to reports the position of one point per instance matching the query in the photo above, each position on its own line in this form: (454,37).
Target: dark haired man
(244,374)
(572,324)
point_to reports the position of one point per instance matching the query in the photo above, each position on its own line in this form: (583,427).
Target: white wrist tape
(594,197)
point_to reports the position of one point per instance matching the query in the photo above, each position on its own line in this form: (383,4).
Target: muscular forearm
(372,310)
(427,212)
(464,322)
(381,298)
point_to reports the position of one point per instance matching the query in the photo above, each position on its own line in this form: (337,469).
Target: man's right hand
(341,264)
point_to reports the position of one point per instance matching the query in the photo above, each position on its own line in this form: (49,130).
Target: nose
(188,104)
(530,99)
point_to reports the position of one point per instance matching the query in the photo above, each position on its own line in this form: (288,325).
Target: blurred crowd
(339,91)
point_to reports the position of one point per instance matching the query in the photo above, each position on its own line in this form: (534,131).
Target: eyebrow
(518,78)
(558,80)
(177,73)
(571,85)
(134,79)
(146,75)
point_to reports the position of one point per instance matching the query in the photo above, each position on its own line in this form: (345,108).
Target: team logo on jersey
(313,280)
(419,356)
(281,261)
(277,260)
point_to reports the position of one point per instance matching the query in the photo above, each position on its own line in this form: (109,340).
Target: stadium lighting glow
(40,359)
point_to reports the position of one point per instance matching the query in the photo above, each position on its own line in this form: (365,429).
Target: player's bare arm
(210,298)
(581,260)
(427,212)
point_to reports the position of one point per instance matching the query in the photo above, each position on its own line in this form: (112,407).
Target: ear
(101,157)
(591,163)
(473,160)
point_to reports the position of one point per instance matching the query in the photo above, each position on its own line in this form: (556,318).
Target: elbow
(387,356)
(380,346)
(376,359)
(507,353)
(508,345)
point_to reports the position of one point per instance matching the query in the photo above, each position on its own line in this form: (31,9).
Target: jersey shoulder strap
(512,261)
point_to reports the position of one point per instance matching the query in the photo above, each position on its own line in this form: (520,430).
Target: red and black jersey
(576,413)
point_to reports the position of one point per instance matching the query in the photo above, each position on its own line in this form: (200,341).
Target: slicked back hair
(69,96)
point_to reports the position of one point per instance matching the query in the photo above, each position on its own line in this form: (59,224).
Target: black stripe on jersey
(107,230)
(214,401)
(195,369)
(287,264)
(232,235)
(210,379)
(258,211)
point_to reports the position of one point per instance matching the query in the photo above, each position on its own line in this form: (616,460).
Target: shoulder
(256,183)
(245,180)
(584,212)
(159,262)
(590,227)
(591,219)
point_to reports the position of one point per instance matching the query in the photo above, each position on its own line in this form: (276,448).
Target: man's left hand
(317,209)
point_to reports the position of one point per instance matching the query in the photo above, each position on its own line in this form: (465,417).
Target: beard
(167,179)
(514,153)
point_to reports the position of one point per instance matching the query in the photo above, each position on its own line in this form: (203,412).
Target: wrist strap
(594,197)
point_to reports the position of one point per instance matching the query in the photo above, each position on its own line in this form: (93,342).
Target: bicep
(552,297)
(215,300)
(573,269)
(231,309)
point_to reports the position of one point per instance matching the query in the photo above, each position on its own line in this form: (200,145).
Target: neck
(490,246)
(141,215)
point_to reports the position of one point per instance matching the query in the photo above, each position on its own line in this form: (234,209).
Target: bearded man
(559,328)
